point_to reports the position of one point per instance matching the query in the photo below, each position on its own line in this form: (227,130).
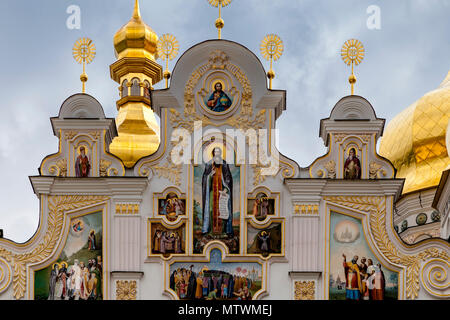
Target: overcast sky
(406,58)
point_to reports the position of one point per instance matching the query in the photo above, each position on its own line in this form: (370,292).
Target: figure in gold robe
(353,285)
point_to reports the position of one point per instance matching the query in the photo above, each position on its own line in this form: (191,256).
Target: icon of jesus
(217,196)
(219,101)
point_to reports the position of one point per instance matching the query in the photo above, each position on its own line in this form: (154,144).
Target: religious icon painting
(355,273)
(82,164)
(265,241)
(215,280)
(352,165)
(261,206)
(216,201)
(172,206)
(218,100)
(77,274)
(167,241)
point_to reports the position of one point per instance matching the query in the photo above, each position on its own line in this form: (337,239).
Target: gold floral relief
(376,207)
(218,61)
(304,290)
(126,290)
(167,170)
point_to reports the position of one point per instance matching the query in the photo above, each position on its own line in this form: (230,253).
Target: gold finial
(84,52)
(136,11)
(219,22)
(271,48)
(167,49)
(352,52)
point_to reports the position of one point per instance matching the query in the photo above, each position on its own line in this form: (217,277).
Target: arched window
(125,88)
(135,88)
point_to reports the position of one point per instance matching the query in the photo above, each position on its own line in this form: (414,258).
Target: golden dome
(136,39)
(414,141)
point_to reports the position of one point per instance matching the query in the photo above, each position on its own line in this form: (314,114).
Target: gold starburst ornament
(219,21)
(84,53)
(168,48)
(271,49)
(352,53)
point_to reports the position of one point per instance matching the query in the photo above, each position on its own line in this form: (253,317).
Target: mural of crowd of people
(172,206)
(264,241)
(77,273)
(216,280)
(261,207)
(355,274)
(167,241)
(216,201)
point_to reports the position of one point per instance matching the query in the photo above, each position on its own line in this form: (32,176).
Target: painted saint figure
(262,207)
(82,165)
(219,101)
(216,180)
(91,240)
(264,242)
(52,282)
(352,166)
(353,286)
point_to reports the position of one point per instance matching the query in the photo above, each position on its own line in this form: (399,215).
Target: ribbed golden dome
(414,141)
(136,39)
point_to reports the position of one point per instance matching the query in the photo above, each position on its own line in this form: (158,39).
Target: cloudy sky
(404,59)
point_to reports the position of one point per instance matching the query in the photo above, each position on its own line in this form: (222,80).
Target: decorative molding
(69,135)
(331,169)
(376,206)
(59,168)
(57,205)
(339,137)
(126,290)
(104,165)
(304,290)
(435,278)
(127,208)
(306,209)
(169,171)
(374,169)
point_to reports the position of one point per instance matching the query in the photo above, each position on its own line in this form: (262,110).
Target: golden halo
(356,151)
(86,150)
(56,264)
(207,152)
(216,81)
(352,51)
(223,3)
(64,264)
(168,46)
(205,268)
(272,47)
(84,50)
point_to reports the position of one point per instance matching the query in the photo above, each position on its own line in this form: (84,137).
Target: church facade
(203,206)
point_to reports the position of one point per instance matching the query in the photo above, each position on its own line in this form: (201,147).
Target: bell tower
(136,71)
